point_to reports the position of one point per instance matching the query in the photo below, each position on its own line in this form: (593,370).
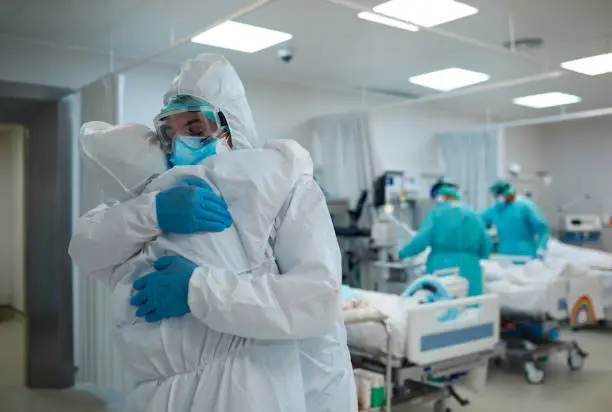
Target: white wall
(12,217)
(403,137)
(524,145)
(579,153)
(144,89)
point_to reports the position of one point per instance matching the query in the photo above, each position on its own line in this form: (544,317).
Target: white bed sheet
(560,254)
(371,336)
(606,290)
(542,287)
(532,287)
(598,261)
(534,298)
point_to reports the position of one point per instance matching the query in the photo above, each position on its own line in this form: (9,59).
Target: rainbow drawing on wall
(582,312)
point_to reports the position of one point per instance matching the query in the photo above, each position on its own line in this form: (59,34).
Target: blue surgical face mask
(500,199)
(192,150)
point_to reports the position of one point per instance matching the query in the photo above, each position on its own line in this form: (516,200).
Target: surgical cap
(448,190)
(502,187)
(445,187)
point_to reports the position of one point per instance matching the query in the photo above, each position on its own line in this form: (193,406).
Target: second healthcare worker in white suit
(276,341)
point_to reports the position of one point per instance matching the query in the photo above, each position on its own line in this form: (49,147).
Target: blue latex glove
(163,294)
(192,207)
(541,255)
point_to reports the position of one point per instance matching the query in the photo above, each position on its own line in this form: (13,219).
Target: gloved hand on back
(164,294)
(192,207)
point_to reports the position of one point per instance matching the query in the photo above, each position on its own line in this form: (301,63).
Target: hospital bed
(532,312)
(598,263)
(558,290)
(410,344)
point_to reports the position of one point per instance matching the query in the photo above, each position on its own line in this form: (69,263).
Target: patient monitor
(580,228)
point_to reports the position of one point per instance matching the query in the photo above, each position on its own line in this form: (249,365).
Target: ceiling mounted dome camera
(285,54)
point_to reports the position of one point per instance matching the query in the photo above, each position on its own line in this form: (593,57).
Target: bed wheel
(440,406)
(533,373)
(575,359)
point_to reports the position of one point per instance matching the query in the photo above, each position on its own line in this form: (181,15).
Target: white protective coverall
(265,333)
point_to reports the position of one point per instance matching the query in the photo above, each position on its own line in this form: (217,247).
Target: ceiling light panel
(541,101)
(593,66)
(241,37)
(387,21)
(449,79)
(426,13)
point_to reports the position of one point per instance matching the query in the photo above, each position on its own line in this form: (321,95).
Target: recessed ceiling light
(377,18)
(593,66)
(426,13)
(241,37)
(449,79)
(541,101)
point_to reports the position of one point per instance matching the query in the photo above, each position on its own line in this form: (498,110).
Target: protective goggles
(191,118)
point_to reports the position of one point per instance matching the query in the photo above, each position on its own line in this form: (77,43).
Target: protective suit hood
(119,160)
(212,78)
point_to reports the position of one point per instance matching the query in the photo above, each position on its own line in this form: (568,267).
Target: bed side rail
(431,338)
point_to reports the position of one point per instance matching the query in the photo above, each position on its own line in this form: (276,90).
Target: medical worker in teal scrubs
(456,235)
(522,229)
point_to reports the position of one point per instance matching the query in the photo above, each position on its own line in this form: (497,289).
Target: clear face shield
(192,121)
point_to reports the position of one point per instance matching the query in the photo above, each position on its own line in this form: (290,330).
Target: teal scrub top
(522,229)
(458,238)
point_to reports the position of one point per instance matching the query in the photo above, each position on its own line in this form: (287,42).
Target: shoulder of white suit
(294,153)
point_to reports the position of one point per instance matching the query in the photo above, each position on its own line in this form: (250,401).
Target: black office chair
(356,213)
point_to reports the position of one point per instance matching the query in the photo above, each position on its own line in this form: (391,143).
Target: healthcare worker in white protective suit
(286,321)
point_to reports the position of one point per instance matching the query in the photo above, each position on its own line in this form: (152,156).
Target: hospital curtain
(99,367)
(472,160)
(341,149)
